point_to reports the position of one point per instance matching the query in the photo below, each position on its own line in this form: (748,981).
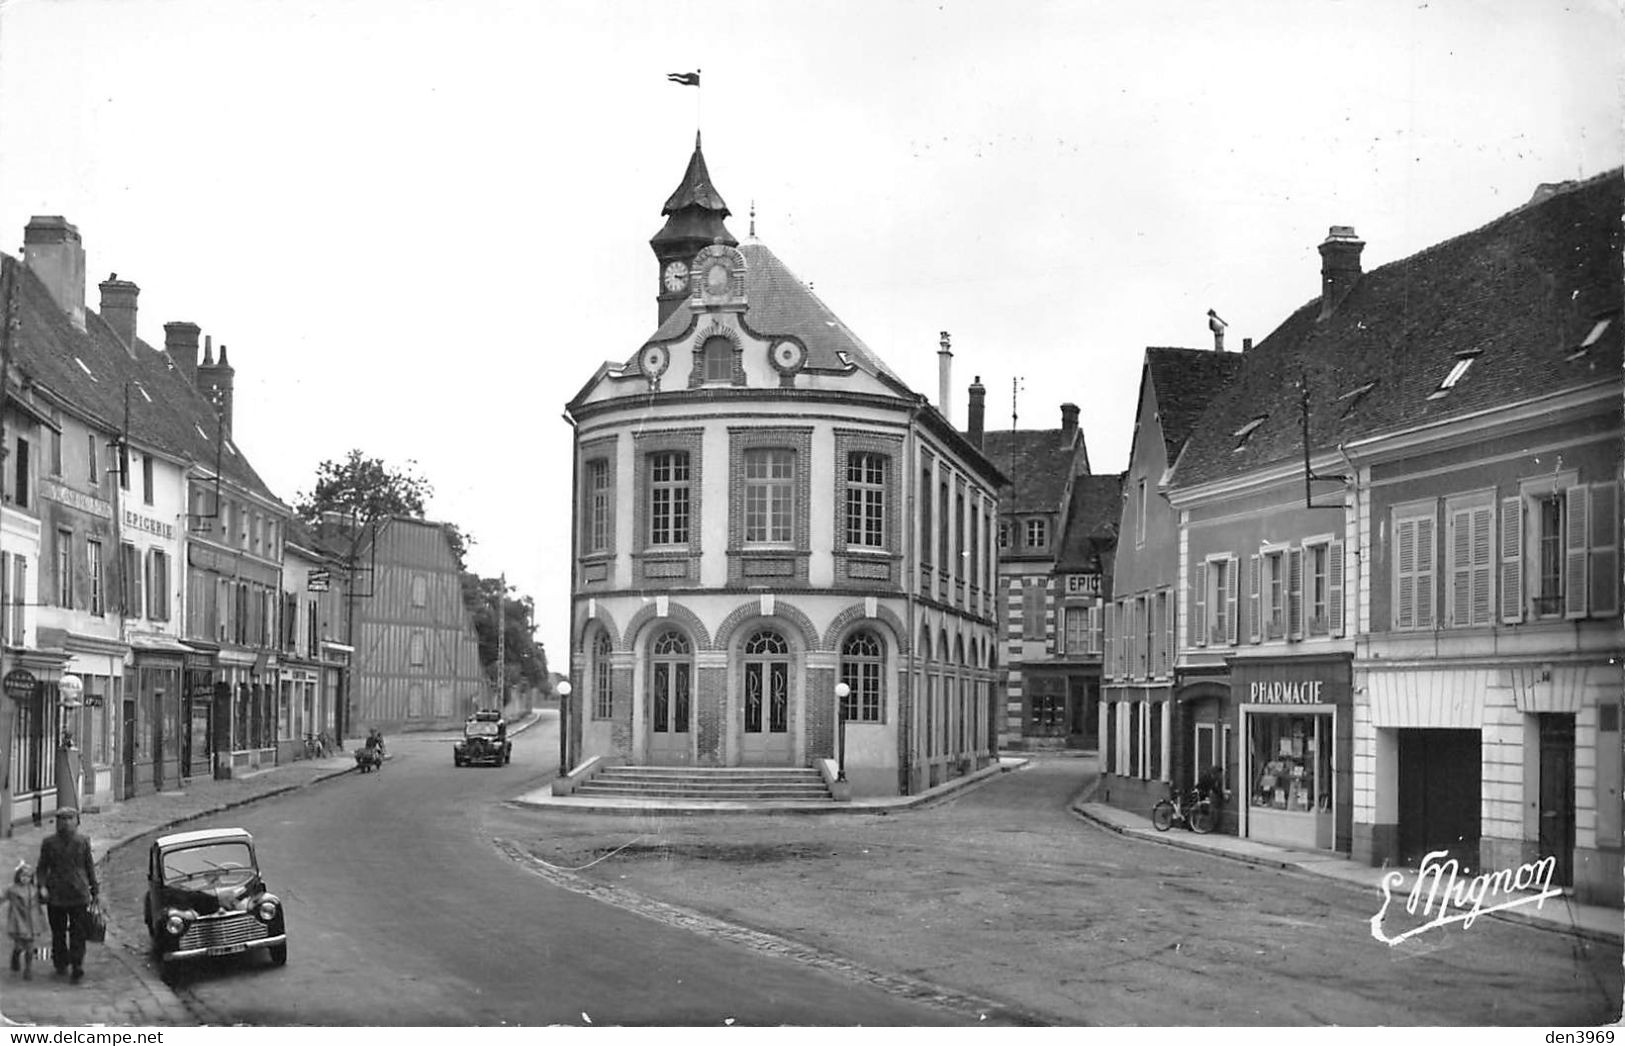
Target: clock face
(675,276)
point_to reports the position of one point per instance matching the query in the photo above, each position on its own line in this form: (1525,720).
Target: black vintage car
(485,740)
(205,897)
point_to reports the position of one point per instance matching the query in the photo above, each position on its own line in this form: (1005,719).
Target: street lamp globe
(563,688)
(71,690)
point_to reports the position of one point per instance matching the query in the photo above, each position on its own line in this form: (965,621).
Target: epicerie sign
(1083,584)
(151,526)
(1298,692)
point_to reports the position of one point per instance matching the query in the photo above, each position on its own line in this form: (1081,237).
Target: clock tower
(694,216)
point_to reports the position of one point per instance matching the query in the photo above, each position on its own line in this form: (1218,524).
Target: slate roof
(696,189)
(1091,523)
(49,350)
(780,304)
(1185,382)
(1039,464)
(1522,292)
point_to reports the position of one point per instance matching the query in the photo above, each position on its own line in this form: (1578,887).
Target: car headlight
(266,910)
(175,925)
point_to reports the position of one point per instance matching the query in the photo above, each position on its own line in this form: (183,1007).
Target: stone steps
(707,784)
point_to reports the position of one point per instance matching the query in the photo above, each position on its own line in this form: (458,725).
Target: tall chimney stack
(977,411)
(1339,267)
(180,342)
(1069,418)
(1217,326)
(118,309)
(54,253)
(945,366)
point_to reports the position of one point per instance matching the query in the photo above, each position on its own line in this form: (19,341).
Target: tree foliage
(365,489)
(525,661)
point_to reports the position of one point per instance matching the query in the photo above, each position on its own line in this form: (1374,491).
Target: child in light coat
(25,920)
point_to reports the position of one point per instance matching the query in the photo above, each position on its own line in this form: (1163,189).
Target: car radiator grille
(216,932)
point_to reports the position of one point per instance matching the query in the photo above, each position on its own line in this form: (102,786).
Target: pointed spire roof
(696,189)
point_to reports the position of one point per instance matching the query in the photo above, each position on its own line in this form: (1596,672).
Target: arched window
(767,683)
(603,704)
(718,354)
(669,668)
(862,659)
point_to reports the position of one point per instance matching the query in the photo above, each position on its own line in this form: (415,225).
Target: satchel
(95,924)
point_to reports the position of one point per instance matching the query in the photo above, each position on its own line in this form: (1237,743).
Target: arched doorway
(670,711)
(766,739)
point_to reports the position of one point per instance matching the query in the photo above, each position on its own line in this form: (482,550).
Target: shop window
(1291,762)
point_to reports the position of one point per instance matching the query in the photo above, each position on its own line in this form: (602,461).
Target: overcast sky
(419,226)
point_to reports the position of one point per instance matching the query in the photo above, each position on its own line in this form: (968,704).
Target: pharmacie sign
(1285,692)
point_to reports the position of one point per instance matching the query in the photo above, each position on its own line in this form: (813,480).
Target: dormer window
(1464,360)
(718,354)
(1242,434)
(1038,533)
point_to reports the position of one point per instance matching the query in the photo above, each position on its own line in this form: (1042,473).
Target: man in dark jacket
(67,875)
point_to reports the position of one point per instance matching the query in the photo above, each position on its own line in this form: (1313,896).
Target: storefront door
(1557,794)
(766,736)
(670,712)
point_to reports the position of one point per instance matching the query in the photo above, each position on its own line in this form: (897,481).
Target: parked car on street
(205,896)
(485,740)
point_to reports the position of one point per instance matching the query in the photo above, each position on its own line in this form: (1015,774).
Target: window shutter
(1196,627)
(1426,601)
(1576,517)
(1483,583)
(1230,586)
(1255,621)
(1169,637)
(1459,541)
(1294,605)
(1512,560)
(1604,579)
(1334,587)
(1405,575)
(1111,641)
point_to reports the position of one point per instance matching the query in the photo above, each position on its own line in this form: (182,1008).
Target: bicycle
(1194,810)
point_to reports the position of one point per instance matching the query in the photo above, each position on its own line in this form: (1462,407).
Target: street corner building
(1395,624)
(781,555)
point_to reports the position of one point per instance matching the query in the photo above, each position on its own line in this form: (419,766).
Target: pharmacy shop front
(1297,724)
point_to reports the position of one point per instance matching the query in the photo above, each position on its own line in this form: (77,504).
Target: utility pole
(502,645)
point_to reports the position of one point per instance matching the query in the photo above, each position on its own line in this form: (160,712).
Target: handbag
(95,924)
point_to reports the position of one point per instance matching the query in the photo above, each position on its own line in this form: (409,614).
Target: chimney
(118,309)
(976,411)
(180,342)
(1217,326)
(52,249)
(945,366)
(1069,418)
(1246,345)
(215,380)
(1339,267)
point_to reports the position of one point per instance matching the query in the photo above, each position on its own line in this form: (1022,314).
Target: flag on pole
(686,79)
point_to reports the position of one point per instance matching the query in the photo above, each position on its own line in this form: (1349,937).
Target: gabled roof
(1091,522)
(779,304)
(91,370)
(1518,297)
(1039,463)
(1185,381)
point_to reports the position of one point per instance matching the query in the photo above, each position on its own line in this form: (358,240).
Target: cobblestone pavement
(120,987)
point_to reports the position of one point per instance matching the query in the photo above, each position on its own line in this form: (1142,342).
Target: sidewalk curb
(1076,808)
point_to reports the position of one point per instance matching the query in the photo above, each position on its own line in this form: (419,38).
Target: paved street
(1001,891)
(997,906)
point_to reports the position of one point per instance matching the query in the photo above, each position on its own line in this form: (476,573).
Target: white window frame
(1473,578)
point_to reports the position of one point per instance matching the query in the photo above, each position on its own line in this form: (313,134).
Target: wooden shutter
(1196,626)
(1512,560)
(1231,582)
(1255,620)
(1169,608)
(1604,578)
(1426,601)
(1458,540)
(1334,587)
(1482,581)
(1577,512)
(1111,641)
(1294,603)
(1405,574)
